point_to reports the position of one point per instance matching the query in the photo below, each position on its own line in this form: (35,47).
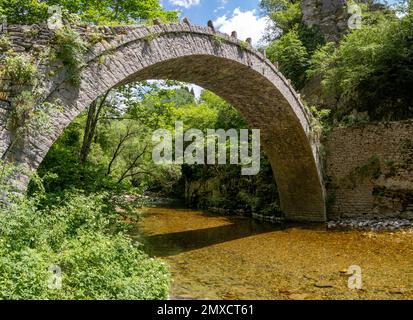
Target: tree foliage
(372,68)
(291,56)
(291,41)
(97,12)
(84,236)
(369,71)
(284,13)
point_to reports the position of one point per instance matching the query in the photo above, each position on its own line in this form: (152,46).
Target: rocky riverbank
(392,224)
(371,224)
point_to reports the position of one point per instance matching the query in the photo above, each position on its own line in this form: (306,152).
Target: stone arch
(228,67)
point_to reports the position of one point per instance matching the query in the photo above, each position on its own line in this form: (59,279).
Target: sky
(243,16)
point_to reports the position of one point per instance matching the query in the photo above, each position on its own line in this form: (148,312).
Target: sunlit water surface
(215,257)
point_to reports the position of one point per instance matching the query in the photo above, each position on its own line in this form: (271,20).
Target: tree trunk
(90,129)
(132,166)
(118,149)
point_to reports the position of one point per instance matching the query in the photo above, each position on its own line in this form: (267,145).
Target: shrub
(22,110)
(101,267)
(319,121)
(20,70)
(218,39)
(71,50)
(23,273)
(287,15)
(85,239)
(5,42)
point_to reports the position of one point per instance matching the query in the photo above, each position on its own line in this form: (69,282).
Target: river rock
(324,285)
(390,224)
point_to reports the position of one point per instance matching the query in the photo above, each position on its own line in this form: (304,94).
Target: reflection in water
(215,257)
(167,244)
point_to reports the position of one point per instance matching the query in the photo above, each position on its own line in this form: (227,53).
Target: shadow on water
(169,244)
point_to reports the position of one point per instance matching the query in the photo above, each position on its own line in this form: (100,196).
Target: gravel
(391,224)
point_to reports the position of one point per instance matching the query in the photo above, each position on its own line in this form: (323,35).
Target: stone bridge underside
(217,62)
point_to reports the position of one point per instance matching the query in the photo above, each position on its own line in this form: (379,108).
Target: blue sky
(242,16)
(200,11)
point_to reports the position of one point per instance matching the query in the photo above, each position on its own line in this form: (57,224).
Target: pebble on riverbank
(390,224)
(371,224)
(360,223)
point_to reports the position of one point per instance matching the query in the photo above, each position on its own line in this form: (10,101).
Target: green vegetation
(22,110)
(5,42)
(292,42)
(319,121)
(97,12)
(24,114)
(71,50)
(118,154)
(291,56)
(80,226)
(218,39)
(84,237)
(72,216)
(371,68)
(20,70)
(244,44)
(365,76)
(150,37)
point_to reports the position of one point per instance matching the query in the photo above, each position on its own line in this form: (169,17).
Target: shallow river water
(215,257)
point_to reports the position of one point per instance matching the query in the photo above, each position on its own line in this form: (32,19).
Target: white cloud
(248,24)
(185,3)
(222,4)
(219,9)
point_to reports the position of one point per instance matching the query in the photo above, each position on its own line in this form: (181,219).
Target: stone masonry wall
(221,63)
(369,171)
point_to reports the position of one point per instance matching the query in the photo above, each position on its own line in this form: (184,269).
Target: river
(216,257)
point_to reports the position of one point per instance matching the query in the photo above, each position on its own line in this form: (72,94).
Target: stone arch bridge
(218,62)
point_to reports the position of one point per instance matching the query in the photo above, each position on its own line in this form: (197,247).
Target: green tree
(291,41)
(291,55)
(284,13)
(97,12)
(371,70)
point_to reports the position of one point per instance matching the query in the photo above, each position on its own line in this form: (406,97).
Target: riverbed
(217,257)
